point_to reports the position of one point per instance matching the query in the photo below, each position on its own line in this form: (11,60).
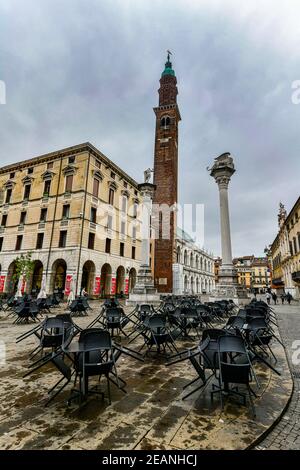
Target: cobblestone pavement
(286,434)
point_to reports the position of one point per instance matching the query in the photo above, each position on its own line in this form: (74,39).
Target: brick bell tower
(165,179)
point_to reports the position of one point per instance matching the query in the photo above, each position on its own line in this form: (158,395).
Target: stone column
(221,171)
(223,182)
(147,190)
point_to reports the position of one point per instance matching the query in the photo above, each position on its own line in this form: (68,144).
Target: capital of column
(147,190)
(222,181)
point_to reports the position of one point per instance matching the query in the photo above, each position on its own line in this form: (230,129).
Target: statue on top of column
(147,175)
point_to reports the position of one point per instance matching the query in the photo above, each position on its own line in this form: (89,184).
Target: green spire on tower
(168,66)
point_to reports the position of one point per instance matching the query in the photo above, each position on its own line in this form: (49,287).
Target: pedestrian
(274,297)
(289,297)
(268,297)
(84,293)
(282,298)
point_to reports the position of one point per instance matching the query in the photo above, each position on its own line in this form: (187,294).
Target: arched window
(165,122)
(185,257)
(178,255)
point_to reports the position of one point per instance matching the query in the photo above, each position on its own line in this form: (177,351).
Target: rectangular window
(30,171)
(121,249)
(22,218)
(93,215)
(69,183)
(49,165)
(123,227)
(107,245)
(295,245)
(134,233)
(4,220)
(39,241)
(291,247)
(8,195)
(111,197)
(27,191)
(135,210)
(1,243)
(112,175)
(133,252)
(96,187)
(91,242)
(66,211)
(124,204)
(72,159)
(19,242)
(43,215)
(98,163)
(62,239)
(109,222)
(47,186)
(12,175)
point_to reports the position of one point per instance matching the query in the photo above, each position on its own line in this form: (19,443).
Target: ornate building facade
(193,272)
(78,214)
(284,252)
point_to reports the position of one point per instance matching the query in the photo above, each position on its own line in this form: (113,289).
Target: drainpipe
(82,223)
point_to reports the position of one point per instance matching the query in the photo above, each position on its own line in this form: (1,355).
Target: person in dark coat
(274,297)
(289,297)
(282,298)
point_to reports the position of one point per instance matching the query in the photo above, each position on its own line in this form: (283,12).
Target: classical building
(261,275)
(78,214)
(253,272)
(244,270)
(285,251)
(193,272)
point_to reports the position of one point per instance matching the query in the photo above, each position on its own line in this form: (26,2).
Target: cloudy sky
(88,70)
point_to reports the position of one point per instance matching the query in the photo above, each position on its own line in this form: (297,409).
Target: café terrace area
(188,374)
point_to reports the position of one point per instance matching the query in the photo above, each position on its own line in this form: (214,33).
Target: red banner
(97,286)
(2,283)
(126,292)
(69,278)
(23,285)
(113,286)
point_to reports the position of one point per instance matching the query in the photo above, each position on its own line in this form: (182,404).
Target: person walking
(289,297)
(282,298)
(268,297)
(274,297)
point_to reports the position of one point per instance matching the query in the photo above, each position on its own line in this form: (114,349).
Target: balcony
(2,228)
(25,202)
(93,225)
(21,228)
(45,197)
(42,224)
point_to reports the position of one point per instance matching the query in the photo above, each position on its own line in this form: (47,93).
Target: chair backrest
(213,333)
(95,339)
(157,321)
(231,344)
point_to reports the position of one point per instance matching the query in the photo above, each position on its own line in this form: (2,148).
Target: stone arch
(197,285)
(132,278)
(178,255)
(88,277)
(105,280)
(185,257)
(36,278)
(120,280)
(11,282)
(185,284)
(197,262)
(58,276)
(192,285)
(192,259)
(201,263)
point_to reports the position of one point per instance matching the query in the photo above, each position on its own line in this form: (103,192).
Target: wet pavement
(286,434)
(151,415)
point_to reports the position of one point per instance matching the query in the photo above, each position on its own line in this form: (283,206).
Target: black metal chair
(234,368)
(95,357)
